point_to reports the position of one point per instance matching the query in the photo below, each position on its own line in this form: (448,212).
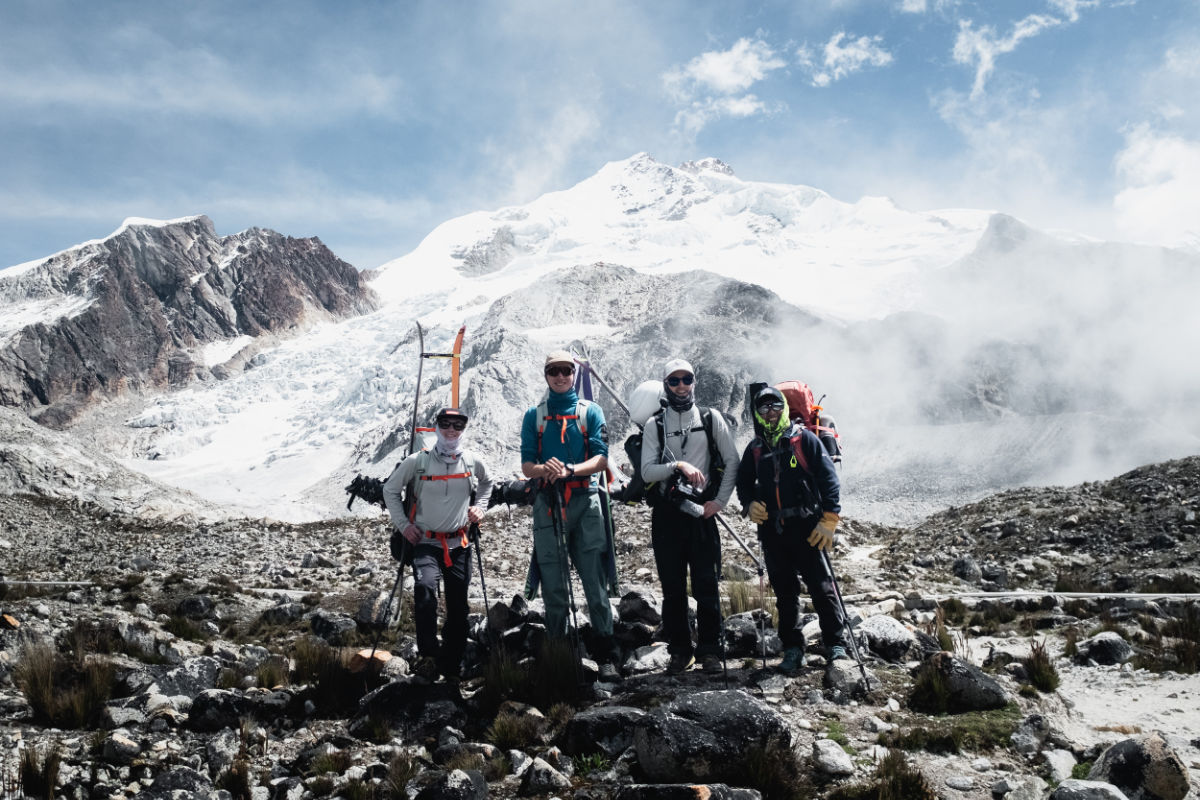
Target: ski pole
(387,609)
(762,591)
(837,591)
(487,606)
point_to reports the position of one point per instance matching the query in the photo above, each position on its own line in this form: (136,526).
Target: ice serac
(135,311)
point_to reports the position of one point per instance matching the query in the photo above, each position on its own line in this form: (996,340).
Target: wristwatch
(570,470)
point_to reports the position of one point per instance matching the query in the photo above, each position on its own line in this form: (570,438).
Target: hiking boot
(837,653)
(793,660)
(426,667)
(609,672)
(712,665)
(679,663)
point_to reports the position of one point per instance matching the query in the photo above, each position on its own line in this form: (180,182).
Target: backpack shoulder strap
(660,426)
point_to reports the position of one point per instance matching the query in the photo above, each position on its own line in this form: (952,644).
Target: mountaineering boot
(609,672)
(837,653)
(679,663)
(711,665)
(793,659)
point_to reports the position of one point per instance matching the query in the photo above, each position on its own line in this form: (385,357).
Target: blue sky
(368,123)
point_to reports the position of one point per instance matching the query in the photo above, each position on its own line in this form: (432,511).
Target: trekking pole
(387,609)
(487,606)
(837,591)
(762,591)
(559,515)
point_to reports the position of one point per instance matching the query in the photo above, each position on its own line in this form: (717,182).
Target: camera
(684,496)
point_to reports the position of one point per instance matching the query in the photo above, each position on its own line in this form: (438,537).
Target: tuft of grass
(931,690)
(327,668)
(38,772)
(466,762)
(401,770)
(496,769)
(514,731)
(61,692)
(836,731)
(894,779)
(557,675)
(776,771)
(187,629)
(1081,770)
(975,731)
(336,761)
(271,672)
(1071,643)
(505,679)
(357,789)
(591,762)
(953,610)
(937,629)
(236,779)
(378,729)
(1040,668)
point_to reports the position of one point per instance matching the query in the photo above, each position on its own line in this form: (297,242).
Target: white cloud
(1160,201)
(725,71)
(980,47)
(913,6)
(1070,8)
(714,84)
(839,60)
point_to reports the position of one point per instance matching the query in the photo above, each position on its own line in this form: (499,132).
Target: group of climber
(785,482)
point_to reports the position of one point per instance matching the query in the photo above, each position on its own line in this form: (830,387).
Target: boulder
(1074,789)
(606,729)
(888,637)
(706,736)
(964,687)
(1106,647)
(1144,768)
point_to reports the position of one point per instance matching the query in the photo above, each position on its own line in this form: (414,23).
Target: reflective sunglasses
(770,405)
(686,380)
(557,371)
(445,423)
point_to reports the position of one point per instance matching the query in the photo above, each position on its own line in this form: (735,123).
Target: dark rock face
(1145,768)
(706,736)
(966,687)
(151,297)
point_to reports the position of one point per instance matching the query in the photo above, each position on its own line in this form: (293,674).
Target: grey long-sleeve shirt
(442,506)
(686,441)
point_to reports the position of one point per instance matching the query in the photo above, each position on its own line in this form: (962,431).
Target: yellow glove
(758,512)
(822,535)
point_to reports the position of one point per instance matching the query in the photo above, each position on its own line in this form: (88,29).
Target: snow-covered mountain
(961,351)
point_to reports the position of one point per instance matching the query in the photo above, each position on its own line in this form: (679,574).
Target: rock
(1059,763)
(1031,734)
(179,779)
(829,757)
(967,688)
(606,729)
(121,748)
(1106,647)
(706,736)
(1144,768)
(888,637)
(214,709)
(1074,789)
(336,629)
(455,785)
(963,783)
(682,791)
(968,569)
(1019,787)
(652,658)
(845,676)
(540,778)
(639,607)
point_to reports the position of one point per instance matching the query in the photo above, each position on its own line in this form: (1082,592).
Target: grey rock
(706,736)
(333,627)
(540,778)
(1075,789)
(121,748)
(639,607)
(214,709)
(1019,787)
(888,637)
(969,689)
(1031,734)
(455,785)
(962,783)
(831,759)
(968,569)
(1106,647)
(1144,768)
(606,729)
(1059,763)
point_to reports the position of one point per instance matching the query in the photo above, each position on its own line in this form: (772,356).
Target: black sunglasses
(686,380)
(446,423)
(557,371)
(770,405)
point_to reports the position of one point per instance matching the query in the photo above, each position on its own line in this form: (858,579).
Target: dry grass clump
(1040,668)
(894,779)
(38,772)
(64,692)
(327,668)
(510,731)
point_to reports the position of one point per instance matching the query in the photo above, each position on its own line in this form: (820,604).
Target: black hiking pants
(682,543)
(789,558)
(429,567)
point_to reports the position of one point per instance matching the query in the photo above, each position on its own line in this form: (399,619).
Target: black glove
(397,544)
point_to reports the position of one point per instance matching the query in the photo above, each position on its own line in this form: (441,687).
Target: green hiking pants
(586,541)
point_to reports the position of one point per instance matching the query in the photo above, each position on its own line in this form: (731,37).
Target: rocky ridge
(205,625)
(135,311)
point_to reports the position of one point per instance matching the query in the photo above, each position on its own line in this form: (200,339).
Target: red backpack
(803,409)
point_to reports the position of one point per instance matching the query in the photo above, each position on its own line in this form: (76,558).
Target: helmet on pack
(644,401)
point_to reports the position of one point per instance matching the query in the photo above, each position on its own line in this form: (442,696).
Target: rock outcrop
(135,311)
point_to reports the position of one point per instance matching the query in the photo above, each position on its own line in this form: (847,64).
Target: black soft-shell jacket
(804,495)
